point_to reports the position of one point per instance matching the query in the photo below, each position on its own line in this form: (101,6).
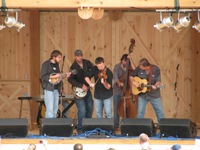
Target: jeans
(65,104)
(85,108)
(117,99)
(156,104)
(51,99)
(105,104)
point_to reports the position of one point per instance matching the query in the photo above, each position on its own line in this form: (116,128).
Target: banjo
(56,81)
(78,92)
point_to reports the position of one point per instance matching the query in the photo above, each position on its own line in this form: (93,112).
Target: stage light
(182,22)
(163,23)
(197,23)
(13,22)
(2,27)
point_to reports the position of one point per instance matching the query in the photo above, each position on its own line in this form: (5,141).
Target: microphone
(63,58)
(177,67)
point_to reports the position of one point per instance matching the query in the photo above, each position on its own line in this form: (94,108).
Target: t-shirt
(100,91)
(155,78)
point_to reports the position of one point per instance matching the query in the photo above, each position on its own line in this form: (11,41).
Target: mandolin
(143,86)
(55,81)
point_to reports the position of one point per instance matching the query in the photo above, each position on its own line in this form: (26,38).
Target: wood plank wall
(108,38)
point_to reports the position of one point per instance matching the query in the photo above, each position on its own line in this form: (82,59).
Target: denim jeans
(65,104)
(156,104)
(105,104)
(51,99)
(117,99)
(85,108)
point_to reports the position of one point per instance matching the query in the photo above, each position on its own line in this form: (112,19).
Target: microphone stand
(175,90)
(61,94)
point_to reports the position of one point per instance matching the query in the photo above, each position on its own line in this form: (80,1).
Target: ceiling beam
(61,4)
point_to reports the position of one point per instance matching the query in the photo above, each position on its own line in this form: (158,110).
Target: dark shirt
(79,79)
(100,91)
(118,72)
(47,69)
(156,77)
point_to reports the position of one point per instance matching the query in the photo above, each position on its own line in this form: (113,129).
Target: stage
(117,142)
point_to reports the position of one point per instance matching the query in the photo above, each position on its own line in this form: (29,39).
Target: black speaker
(136,126)
(13,127)
(89,124)
(181,128)
(57,127)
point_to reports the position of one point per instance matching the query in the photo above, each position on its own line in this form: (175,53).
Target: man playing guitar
(51,91)
(83,104)
(103,93)
(151,73)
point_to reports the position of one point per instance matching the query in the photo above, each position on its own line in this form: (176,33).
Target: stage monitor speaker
(181,128)
(136,126)
(13,127)
(89,124)
(62,127)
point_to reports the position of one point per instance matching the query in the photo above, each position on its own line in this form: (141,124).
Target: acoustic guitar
(143,86)
(55,81)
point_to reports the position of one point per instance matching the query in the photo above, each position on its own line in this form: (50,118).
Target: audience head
(176,147)
(78,146)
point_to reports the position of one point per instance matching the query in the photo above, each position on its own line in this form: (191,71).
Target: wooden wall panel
(111,39)
(9,103)
(14,51)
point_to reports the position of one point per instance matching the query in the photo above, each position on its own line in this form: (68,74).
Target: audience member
(176,147)
(78,146)
(144,142)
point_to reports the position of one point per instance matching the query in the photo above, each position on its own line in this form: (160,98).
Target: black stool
(20,109)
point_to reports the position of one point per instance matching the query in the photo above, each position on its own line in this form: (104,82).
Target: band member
(103,93)
(85,104)
(118,73)
(151,73)
(51,92)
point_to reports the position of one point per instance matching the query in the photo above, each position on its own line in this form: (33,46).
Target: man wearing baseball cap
(83,104)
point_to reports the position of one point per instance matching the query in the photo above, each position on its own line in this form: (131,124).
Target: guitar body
(78,92)
(141,89)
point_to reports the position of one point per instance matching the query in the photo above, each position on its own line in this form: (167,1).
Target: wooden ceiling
(109,4)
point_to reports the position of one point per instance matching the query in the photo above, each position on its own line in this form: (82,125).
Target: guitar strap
(150,75)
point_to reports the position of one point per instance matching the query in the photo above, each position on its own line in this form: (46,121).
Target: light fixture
(197,23)
(97,13)
(13,22)
(2,27)
(85,12)
(163,23)
(182,22)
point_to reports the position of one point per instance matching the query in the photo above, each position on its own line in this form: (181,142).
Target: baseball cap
(78,52)
(176,147)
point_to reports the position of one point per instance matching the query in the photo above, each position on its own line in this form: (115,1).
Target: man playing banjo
(81,90)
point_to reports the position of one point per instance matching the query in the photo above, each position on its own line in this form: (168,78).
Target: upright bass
(128,105)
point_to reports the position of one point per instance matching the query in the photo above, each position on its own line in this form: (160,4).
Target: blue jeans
(85,108)
(105,104)
(117,99)
(51,99)
(156,104)
(65,104)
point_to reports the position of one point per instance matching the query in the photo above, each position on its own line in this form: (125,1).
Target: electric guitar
(143,86)
(55,81)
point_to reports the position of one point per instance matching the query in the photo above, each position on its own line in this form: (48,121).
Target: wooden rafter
(57,4)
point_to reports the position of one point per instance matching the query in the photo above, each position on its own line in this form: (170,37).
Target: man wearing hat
(83,104)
